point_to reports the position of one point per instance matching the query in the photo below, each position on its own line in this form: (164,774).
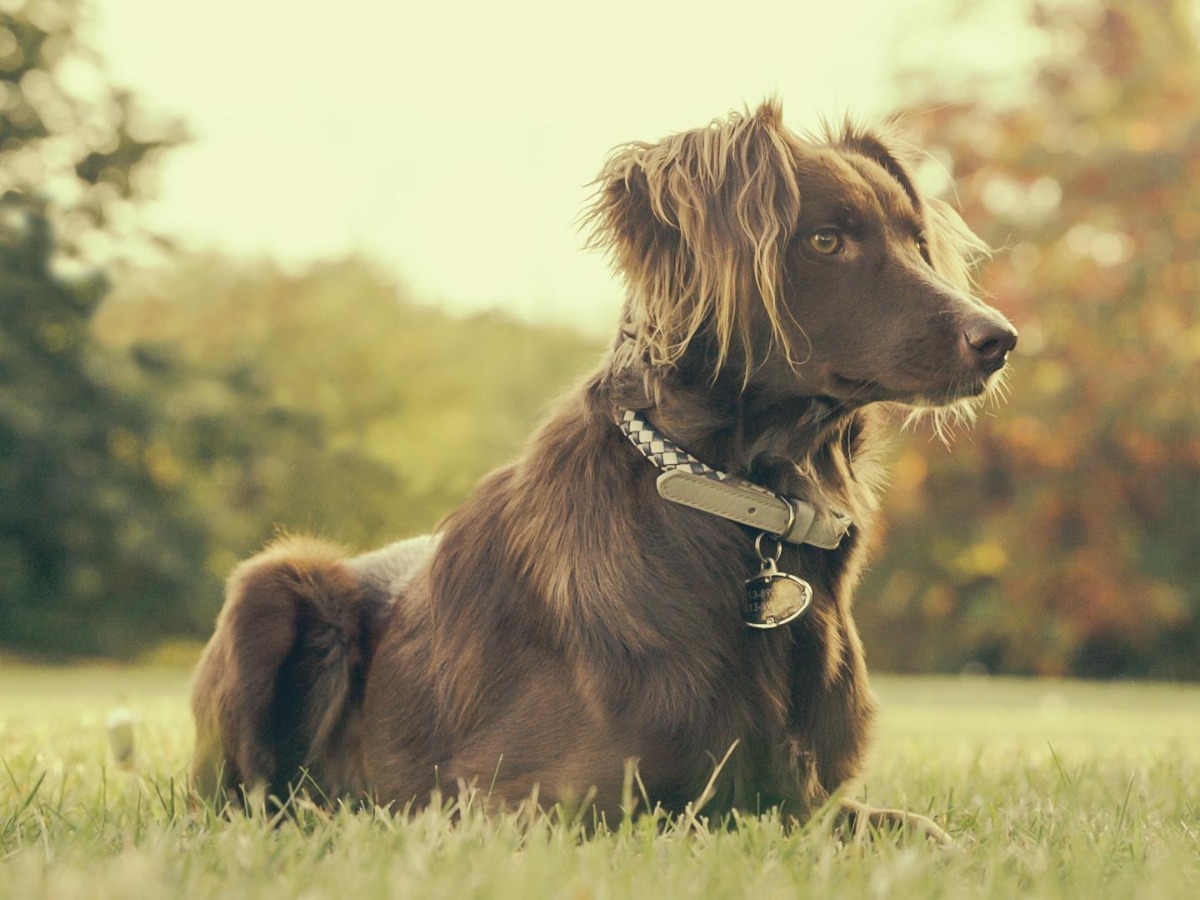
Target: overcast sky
(453,142)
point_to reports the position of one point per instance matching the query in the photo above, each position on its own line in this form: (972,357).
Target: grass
(1053,789)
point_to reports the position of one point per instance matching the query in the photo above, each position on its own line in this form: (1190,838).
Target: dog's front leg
(856,821)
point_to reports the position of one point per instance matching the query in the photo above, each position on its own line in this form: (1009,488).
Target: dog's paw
(858,822)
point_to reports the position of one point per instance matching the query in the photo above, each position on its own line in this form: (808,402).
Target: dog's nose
(989,342)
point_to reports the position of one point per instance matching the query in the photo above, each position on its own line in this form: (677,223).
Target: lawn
(1052,789)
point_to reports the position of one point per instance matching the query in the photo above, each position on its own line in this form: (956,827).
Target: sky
(454,142)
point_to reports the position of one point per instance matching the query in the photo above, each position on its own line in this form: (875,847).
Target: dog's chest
(734,740)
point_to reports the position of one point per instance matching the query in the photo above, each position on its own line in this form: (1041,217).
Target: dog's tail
(277,696)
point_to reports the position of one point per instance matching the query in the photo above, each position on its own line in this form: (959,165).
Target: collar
(688,481)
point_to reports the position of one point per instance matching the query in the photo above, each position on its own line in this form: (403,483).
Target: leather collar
(690,482)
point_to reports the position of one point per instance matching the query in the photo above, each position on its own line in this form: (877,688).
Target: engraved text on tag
(775,598)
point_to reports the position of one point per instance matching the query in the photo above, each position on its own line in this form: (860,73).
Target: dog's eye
(923,247)
(827,241)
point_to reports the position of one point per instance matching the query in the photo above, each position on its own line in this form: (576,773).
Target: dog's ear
(698,225)
(953,248)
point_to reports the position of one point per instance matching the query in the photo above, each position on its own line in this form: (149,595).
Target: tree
(98,551)
(135,470)
(395,409)
(1060,535)
(67,137)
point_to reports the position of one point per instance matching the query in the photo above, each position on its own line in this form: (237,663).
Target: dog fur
(566,619)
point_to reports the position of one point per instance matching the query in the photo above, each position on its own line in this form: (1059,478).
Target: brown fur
(568,619)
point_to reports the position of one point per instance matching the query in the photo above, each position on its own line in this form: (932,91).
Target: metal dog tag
(774,598)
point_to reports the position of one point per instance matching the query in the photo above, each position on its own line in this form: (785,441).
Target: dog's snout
(988,342)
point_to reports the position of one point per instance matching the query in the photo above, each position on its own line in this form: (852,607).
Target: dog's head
(811,267)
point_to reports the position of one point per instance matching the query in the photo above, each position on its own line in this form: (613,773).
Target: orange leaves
(1099,447)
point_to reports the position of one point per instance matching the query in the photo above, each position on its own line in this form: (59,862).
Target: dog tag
(774,598)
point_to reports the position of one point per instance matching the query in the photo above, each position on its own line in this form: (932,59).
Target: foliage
(1060,535)
(224,401)
(96,551)
(1053,790)
(105,546)
(240,401)
(405,406)
(68,136)
(92,542)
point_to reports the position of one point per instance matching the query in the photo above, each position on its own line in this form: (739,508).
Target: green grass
(1052,789)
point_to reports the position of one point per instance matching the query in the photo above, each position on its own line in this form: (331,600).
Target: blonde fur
(698,225)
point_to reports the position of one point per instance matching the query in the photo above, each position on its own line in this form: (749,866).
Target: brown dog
(589,604)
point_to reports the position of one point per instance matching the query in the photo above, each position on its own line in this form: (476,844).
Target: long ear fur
(698,225)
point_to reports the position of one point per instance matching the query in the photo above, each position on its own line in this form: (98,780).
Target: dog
(665,575)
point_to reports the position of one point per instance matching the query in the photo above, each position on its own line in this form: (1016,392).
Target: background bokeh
(170,397)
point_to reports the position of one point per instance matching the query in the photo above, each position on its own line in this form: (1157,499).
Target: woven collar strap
(688,481)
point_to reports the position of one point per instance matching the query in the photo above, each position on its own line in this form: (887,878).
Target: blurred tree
(399,391)
(68,136)
(225,402)
(1061,534)
(96,551)
(130,480)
